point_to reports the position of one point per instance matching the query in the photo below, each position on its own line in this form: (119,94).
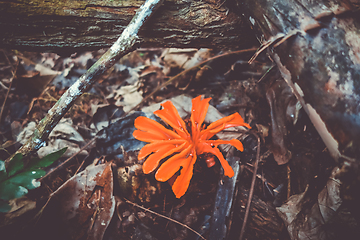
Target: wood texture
(93,24)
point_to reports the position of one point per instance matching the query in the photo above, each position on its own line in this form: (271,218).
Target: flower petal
(154,146)
(235,142)
(182,182)
(172,165)
(226,122)
(154,159)
(170,115)
(198,112)
(204,147)
(149,130)
(147,137)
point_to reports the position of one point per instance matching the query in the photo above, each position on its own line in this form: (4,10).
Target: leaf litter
(294,166)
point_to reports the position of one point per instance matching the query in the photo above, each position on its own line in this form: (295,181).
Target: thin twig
(96,212)
(251,192)
(157,214)
(259,176)
(11,80)
(289,181)
(82,163)
(275,41)
(67,160)
(266,73)
(172,79)
(260,50)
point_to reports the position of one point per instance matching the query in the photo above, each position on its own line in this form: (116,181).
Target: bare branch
(124,44)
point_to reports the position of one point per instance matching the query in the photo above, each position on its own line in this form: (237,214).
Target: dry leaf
(63,135)
(82,207)
(305,222)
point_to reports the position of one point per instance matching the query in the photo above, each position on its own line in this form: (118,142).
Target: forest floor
(119,201)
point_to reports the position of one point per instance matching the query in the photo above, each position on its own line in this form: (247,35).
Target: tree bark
(92,24)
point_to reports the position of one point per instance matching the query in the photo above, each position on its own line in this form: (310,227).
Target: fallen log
(68,26)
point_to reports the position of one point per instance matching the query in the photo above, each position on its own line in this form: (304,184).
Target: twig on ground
(275,41)
(157,214)
(13,71)
(127,41)
(251,192)
(289,182)
(259,176)
(266,73)
(67,160)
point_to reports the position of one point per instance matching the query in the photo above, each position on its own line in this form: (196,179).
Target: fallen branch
(127,41)
(167,218)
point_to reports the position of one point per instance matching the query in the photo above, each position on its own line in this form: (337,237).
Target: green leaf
(15,165)
(47,160)
(17,184)
(2,171)
(4,207)
(27,179)
(10,191)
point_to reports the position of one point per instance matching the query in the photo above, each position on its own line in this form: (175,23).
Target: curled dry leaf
(63,135)
(183,58)
(281,100)
(32,77)
(308,222)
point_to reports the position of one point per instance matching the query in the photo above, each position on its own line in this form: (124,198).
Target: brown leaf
(308,222)
(83,206)
(279,97)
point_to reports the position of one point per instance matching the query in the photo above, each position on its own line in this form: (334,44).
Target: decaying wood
(68,26)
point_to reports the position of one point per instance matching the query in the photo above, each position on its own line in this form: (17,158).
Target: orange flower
(182,146)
